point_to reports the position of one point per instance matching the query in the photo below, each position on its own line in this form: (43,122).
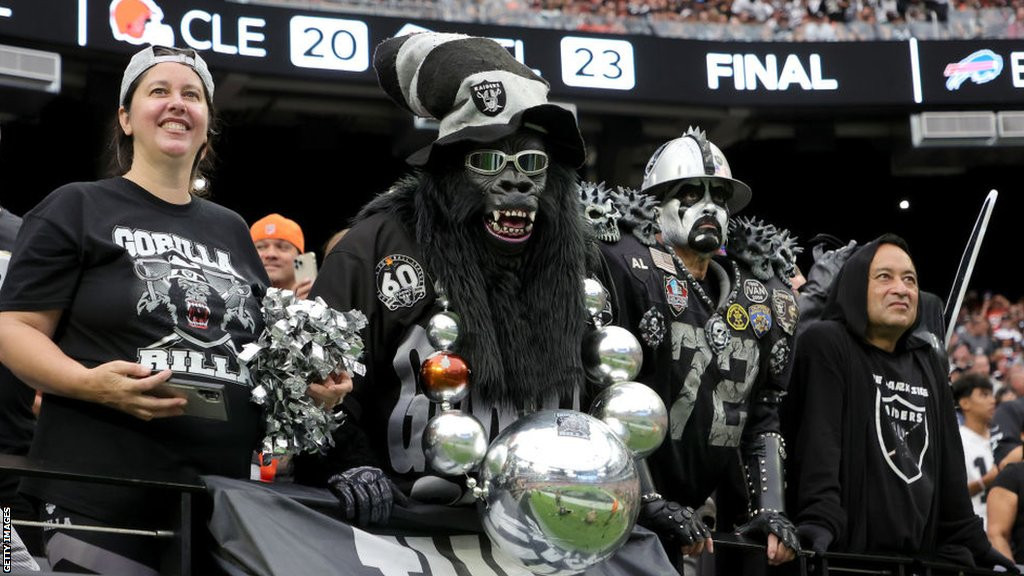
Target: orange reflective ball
(444,377)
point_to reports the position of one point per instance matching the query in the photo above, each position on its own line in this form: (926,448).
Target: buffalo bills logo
(980,67)
(489,97)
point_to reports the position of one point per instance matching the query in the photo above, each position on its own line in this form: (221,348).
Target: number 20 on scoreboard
(597,63)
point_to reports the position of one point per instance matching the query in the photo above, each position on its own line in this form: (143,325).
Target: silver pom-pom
(304,342)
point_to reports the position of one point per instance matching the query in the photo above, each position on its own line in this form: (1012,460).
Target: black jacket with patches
(718,403)
(877,458)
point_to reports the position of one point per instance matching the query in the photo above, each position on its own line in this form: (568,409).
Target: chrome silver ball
(562,492)
(454,443)
(443,330)
(611,354)
(635,413)
(594,297)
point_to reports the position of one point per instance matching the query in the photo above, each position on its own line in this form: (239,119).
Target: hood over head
(848,297)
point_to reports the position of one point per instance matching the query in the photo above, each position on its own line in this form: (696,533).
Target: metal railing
(176,559)
(836,564)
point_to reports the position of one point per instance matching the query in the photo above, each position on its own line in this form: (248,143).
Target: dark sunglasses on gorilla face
(490,162)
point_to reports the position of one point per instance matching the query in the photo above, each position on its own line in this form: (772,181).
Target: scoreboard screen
(284,40)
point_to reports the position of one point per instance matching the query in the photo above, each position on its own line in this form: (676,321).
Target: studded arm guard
(764,470)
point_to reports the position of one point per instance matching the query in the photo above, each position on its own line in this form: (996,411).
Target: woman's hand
(131,388)
(332,391)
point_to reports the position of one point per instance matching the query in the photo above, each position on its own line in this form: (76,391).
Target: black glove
(772,522)
(672,521)
(817,537)
(826,266)
(366,495)
(993,558)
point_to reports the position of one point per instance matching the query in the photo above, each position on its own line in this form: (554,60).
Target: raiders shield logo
(675,294)
(489,97)
(902,431)
(786,312)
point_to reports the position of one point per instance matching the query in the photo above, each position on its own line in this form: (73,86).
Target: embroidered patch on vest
(737,317)
(652,328)
(786,312)
(755,291)
(400,281)
(779,358)
(676,293)
(760,319)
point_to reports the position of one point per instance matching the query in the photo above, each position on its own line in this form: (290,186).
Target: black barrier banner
(282,40)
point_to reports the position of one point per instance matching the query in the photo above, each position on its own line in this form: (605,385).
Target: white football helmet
(691,156)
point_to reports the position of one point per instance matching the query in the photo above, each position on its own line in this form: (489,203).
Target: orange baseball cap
(277,226)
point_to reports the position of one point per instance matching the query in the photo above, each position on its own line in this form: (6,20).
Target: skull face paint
(695,216)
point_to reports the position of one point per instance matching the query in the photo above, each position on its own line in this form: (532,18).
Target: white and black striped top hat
(477,91)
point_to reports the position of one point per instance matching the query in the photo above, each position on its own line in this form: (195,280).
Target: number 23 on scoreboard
(597,63)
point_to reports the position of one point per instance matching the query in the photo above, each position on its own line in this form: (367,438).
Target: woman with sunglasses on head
(118,286)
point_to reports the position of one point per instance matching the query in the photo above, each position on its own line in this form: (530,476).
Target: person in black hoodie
(878,463)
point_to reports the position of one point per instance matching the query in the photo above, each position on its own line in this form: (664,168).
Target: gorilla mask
(511,175)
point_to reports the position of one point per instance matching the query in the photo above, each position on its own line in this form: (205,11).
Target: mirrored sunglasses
(490,162)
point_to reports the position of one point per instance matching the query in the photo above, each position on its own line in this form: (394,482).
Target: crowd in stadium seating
(744,20)
(989,337)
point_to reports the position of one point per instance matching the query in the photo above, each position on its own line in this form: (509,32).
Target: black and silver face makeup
(695,215)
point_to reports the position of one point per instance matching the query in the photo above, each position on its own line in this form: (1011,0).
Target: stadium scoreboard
(294,41)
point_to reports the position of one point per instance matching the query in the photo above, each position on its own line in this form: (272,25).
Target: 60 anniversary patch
(400,281)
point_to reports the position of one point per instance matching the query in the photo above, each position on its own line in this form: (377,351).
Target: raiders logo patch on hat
(400,281)
(476,90)
(489,97)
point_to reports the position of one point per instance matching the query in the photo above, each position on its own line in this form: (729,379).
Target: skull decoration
(640,214)
(717,333)
(783,257)
(600,211)
(750,240)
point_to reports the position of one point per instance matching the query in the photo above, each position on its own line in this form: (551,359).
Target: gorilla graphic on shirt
(196,293)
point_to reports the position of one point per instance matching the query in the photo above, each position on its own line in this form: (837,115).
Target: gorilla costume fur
(522,313)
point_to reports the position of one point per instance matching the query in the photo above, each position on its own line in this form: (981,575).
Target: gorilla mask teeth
(511,225)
